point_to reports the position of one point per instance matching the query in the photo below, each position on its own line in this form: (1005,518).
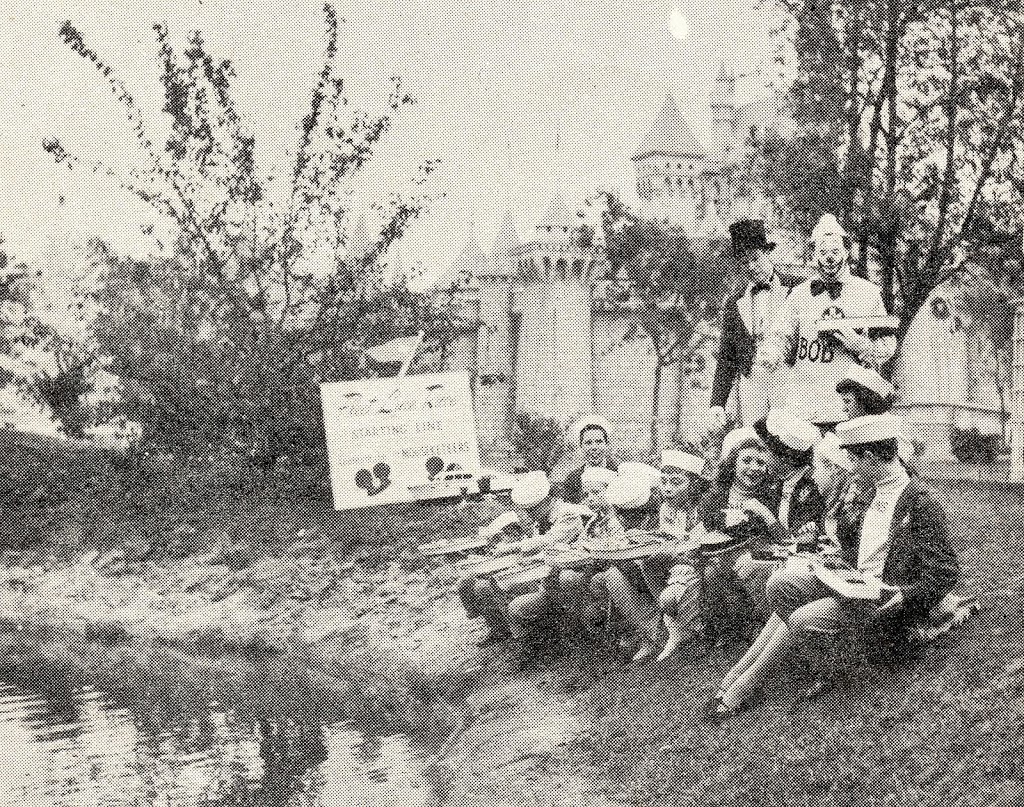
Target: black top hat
(749,234)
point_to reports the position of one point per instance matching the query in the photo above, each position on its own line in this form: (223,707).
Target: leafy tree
(47,351)
(223,336)
(908,126)
(986,299)
(671,290)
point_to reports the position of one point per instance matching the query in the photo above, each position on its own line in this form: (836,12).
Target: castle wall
(624,386)
(554,357)
(493,387)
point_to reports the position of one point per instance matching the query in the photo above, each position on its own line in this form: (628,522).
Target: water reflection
(76,747)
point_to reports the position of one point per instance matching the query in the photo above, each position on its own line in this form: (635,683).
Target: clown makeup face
(756,264)
(594,443)
(830,255)
(594,496)
(752,465)
(675,486)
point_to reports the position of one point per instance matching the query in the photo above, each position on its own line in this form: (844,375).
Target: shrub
(540,441)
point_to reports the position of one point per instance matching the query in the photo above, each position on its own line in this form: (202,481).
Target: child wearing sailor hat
(705,593)
(864,392)
(477,593)
(798,513)
(680,485)
(632,497)
(902,541)
(555,521)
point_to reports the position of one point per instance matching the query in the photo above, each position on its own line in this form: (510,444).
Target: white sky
(495,82)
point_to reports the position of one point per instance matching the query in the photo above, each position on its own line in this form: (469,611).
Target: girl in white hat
(631,496)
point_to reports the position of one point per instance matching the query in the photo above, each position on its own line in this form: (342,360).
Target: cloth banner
(387,435)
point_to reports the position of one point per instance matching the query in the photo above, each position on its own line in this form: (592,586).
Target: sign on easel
(388,437)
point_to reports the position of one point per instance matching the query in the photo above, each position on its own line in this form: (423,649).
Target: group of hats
(750,233)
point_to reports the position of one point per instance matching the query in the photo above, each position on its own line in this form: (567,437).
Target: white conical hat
(629,492)
(684,460)
(596,474)
(828,225)
(530,489)
(869,429)
(641,470)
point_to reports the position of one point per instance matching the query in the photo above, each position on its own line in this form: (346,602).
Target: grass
(943,729)
(58,499)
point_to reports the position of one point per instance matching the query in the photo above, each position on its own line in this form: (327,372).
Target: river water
(79,749)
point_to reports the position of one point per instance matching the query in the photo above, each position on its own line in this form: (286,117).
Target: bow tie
(833,287)
(757,287)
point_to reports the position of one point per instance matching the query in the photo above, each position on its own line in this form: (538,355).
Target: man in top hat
(902,541)
(817,362)
(592,435)
(746,320)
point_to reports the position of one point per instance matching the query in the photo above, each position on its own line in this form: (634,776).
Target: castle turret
(669,164)
(495,345)
(554,367)
(724,116)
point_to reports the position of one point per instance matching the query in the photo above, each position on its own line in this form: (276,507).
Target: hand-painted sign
(388,436)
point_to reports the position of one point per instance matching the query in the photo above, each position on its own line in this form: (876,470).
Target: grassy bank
(944,729)
(151,571)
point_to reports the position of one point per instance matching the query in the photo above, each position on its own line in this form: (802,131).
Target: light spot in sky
(678,25)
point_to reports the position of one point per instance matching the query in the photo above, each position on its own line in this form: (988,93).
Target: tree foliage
(224,335)
(671,289)
(538,440)
(907,124)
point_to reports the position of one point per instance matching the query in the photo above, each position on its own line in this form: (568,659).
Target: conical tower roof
(469,263)
(669,135)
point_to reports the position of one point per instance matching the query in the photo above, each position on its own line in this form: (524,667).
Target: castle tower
(495,346)
(669,167)
(554,370)
(724,116)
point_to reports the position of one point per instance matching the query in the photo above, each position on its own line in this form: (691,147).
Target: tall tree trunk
(892,41)
(853,117)
(935,257)
(656,402)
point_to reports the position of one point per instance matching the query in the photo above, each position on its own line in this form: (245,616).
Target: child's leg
(773,650)
(637,609)
(755,650)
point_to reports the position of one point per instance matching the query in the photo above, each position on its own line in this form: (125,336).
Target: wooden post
(412,355)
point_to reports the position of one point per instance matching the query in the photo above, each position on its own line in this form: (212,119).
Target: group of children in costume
(740,537)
